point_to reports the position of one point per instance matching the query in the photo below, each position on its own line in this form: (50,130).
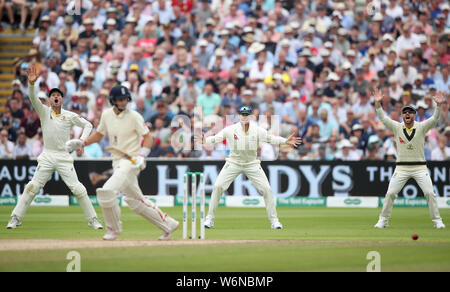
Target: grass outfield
(313,239)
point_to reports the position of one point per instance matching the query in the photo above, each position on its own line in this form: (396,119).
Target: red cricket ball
(414,236)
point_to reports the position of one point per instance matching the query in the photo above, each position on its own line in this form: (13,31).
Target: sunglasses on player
(408,111)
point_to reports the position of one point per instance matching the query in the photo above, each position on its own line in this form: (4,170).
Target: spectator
(144,109)
(360,84)
(374,151)
(291,108)
(442,151)
(328,127)
(6,146)
(259,53)
(407,42)
(209,101)
(405,73)
(8,127)
(443,84)
(93,151)
(345,153)
(31,123)
(346,127)
(22,150)
(362,106)
(162,114)
(422,115)
(15,108)
(323,155)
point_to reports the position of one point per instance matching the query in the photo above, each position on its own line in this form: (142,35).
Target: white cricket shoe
(439,225)
(382,223)
(110,235)
(209,223)
(13,223)
(277,225)
(94,224)
(166,235)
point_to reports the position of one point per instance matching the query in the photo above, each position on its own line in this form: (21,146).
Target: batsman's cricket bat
(117,151)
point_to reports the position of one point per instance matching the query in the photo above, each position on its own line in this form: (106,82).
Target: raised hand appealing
(33,75)
(377,95)
(439,97)
(294,141)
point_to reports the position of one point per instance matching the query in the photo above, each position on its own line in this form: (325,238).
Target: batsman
(410,140)
(56,124)
(125,129)
(244,138)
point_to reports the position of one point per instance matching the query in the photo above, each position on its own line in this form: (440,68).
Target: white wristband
(144,151)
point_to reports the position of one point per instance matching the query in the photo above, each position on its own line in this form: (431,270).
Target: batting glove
(140,163)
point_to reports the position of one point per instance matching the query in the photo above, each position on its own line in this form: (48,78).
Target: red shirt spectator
(185,5)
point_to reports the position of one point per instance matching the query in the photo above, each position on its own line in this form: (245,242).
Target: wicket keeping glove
(73,144)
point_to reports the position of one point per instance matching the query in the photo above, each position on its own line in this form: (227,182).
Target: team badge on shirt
(409,147)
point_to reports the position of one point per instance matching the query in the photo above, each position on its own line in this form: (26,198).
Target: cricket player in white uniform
(125,129)
(410,139)
(56,124)
(244,138)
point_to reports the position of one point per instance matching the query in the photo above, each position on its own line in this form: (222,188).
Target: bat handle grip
(132,160)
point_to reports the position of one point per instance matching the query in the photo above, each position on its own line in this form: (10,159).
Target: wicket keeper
(56,124)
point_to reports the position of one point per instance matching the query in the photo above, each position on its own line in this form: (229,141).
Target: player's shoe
(13,223)
(439,225)
(277,225)
(111,235)
(94,224)
(209,223)
(166,235)
(382,223)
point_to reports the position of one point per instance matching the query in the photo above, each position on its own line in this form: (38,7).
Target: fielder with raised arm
(244,138)
(410,140)
(56,124)
(125,129)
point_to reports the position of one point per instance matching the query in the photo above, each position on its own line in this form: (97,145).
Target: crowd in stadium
(312,64)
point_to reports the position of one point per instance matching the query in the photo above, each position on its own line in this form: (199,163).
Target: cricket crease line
(61,244)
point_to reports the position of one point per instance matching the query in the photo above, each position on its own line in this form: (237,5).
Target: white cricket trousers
(48,163)
(255,174)
(125,180)
(399,179)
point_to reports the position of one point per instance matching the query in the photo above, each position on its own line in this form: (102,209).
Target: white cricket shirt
(124,130)
(243,146)
(56,128)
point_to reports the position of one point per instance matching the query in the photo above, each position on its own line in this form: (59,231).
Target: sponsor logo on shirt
(235,137)
(401,140)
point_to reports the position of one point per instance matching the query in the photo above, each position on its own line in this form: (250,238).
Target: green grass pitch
(313,239)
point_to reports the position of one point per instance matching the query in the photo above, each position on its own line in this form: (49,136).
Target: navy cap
(409,107)
(56,90)
(245,110)
(170,149)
